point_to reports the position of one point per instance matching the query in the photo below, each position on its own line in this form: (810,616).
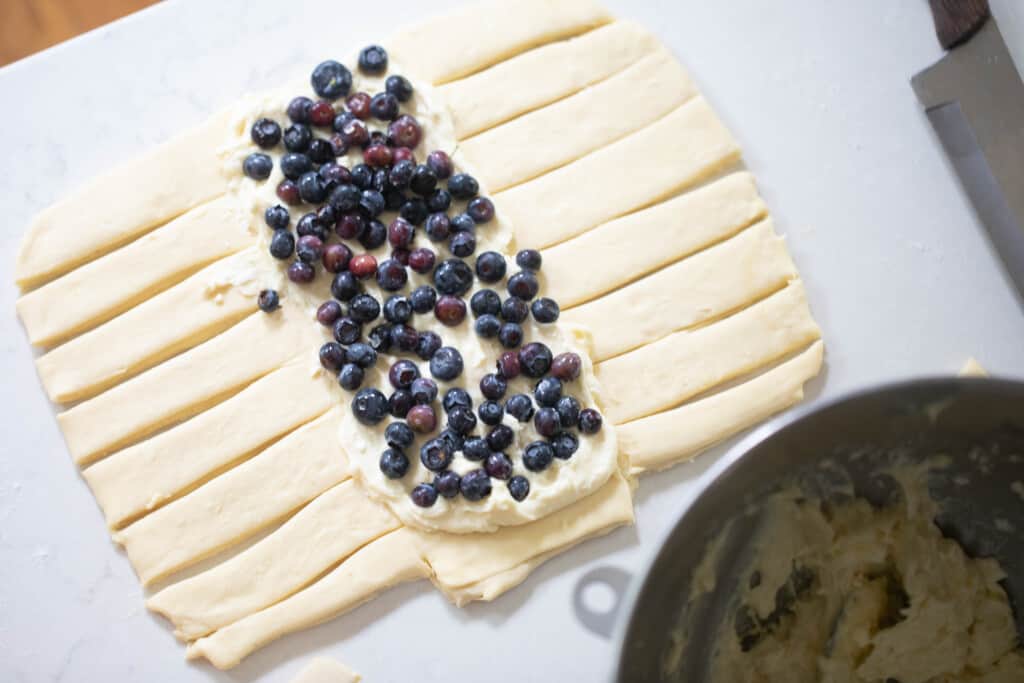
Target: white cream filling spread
(558,486)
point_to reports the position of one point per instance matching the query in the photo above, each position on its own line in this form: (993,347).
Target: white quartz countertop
(897,267)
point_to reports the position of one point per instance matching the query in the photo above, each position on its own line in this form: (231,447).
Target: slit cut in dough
(630,247)
(705,286)
(674,152)
(528,81)
(571,128)
(684,364)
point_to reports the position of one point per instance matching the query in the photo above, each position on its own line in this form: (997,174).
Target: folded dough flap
(676,435)
(238,503)
(571,128)
(140,338)
(318,537)
(678,150)
(126,202)
(146,475)
(528,81)
(510,27)
(636,384)
(627,248)
(707,285)
(188,383)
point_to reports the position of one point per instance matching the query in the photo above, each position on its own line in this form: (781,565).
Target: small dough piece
(630,247)
(319,536)
(703,287)
(674,152)
(238,503)
(114,283)
(543,75)
(143,476)
(972,368)
(186,384)
(326,670)
(665,373)
(571,128)
(382,564)
(141,338)
(677,435)
(126,202)
(505,28)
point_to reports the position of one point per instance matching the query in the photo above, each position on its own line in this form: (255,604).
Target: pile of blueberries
(348,203)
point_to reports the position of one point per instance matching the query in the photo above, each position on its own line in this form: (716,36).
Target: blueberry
(301,272)
(454,440)
(493,386)
(354,133)
(373,59)
(358,104)
(404,338)
(462,222)
(298,109)
(490,412)
(510,335)
(476,449)
(537,456)
(438,226)
(401,174)
(277,217)
(523,285)
(309,249)
(447,483)
(462,244)
(339,145)
(393,463)
(294,164)
(436,454)
(328,313)
(590,421)
(547,421)
(529,259)
(566,366)
(375,236)
(345,198)
(514,310)
(564,445)
(519,487)
(424,495)
(288,192)
(414,210)
(363,266)
(568,411)
(332,356)
(336,258)
(424,180)
(450,310)
(475,485)
(364,308)
(397,309)
(500,438)
(427,344)
(399,435)
(446,364)
(347,330)
(498,466)
(362,355)
(372,202)
(391,275)
(456,396)
(481,210)
(282,244)
(422,418)
(439,200)
(403,373)
(405,132)
(268,300)
(362,176)
(463,186)
(309,224)
(440,163)
(400,403)
(344,286)
(535,359)
(508,365)
(487,326)
(297,138)
(379,338)
(520,407)
(548,391)
(490,267)
(453,277)
(399,86)
(384,106)
(350,377)
(485,302)
(423,299)
(422,260)
(393,198)
(461,420)
(423,390)
(545,310)
(331,80)
(258,166)
(334,174)
(369,406)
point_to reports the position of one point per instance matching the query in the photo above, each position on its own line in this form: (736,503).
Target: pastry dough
(326,670)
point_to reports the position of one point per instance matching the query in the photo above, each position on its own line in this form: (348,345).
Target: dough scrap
(326,670)
(972,368)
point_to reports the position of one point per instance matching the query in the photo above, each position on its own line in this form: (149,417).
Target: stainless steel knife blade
(974,99)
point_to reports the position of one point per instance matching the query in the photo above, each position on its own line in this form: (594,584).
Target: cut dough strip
(186,384)
(128,201)
(630,247)
(704,286)
(674,152)
(238,503)
(578,125)
(140,338)
(677,367)
(510,27)
(143,476)
(543,75)
(677,435)
(326,670)
(319,536)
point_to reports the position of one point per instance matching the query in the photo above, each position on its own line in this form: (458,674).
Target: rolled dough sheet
(326,670)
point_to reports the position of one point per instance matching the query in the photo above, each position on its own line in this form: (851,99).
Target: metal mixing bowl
(979,423)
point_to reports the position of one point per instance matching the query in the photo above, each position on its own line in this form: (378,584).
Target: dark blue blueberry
(400,403)
(393,198)
(332,356)
(424,180)
(373,59)
(476,449)
(391,275)
(519,487)
(454,440)
(341,119)
(402,374)
(436,454)
(258,166)
(490,412)
(422,260)
(309,224)
(397,309)
(282,244)
(438,227)
(493,386)
(535,359)
(508,365)
(590,421)
(364,308)
(490,267)
(331,80)
(345,198)
(447,483)
(362,176)
(453,277)
(384,106)
(463,186)
(379,338)
(564,445)
(500,438)
(545,310)
(372,202)
(440,163)
(334,174)
(362,355)
(519,406)
(312,188)
(439,200)
(461,222)
(347,330)
(498,466)
(424,495)
(401,174)
(487,326)
(537,456)
(485,301)
(369,406)
(423,299)
(399,86)
(344,286)
(309,249)
(423,390)
(393,463)
(528,259)
(298,109)
(277,217)
(297,137)
(462,244)
(514,310)
(300,272)
(461,420)
(568,411)
(375,235)
(548,391)
(481,209)
(414,210)
(268,300)
(399,435)
(326,215)
(510,335)
(404,338)
(523,285)
(380,180)
(475,485)
(450,310)
(320,151)
(294,164)
(547,421)
(456,396)
(427,344)
(351,376)
(446,364)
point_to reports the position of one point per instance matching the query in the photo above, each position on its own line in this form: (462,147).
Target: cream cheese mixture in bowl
(877,538)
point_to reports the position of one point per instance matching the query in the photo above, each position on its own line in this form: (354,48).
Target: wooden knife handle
(957,20)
